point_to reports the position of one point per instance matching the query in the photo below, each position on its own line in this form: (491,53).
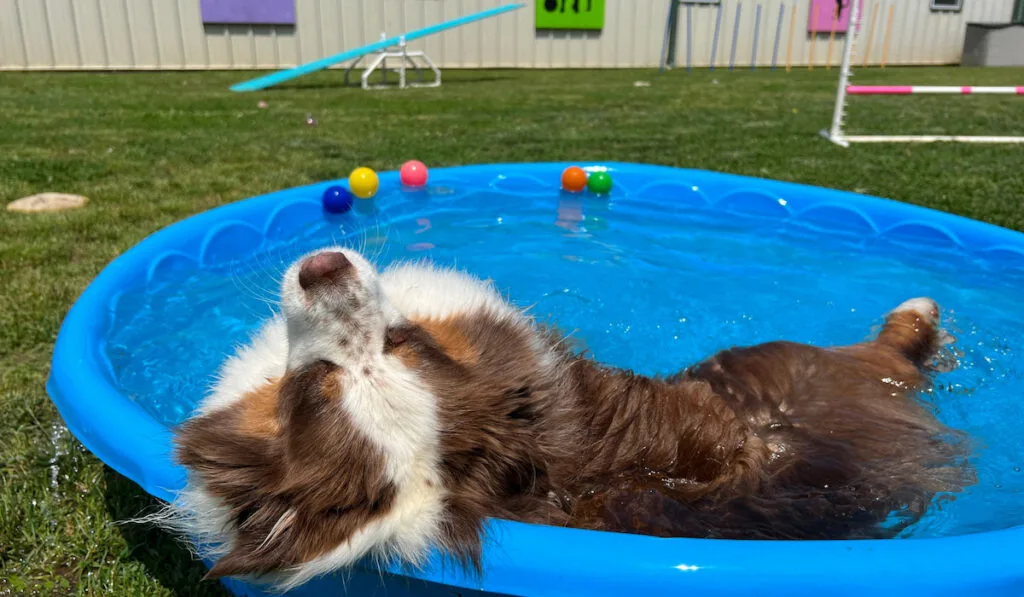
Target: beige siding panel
(573,48)
(287,49)
(464,39)
(703,19)
(473,36)
(218,46)
(142,32)
(193,36)
(906,14)
(89,30)
(638,23)
(169,34)
(509,33)
(923,29)
(632,47)
(116,38)
(605,51)
(560,49)
(731,14)
(60,25)
(307,40)
(36,32)
(427,13)
(755,19)
(761,32)
(491,34)
(264,52)
(717,47)
(327,23)
(801,45)
(244,45)
(543,46)
(13,53)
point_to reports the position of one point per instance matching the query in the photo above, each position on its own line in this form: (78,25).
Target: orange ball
(574,179)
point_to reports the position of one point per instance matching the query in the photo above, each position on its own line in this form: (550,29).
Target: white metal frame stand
(835,132)
(405,61)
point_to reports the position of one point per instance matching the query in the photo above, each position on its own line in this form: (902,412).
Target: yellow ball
(363,183)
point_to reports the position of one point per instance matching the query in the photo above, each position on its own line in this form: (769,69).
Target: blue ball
(337,200)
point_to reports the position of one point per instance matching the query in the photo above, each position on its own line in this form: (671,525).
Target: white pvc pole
(835,133)
(923,89)
(930,139)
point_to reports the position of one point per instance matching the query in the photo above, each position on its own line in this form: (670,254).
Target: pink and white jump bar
(925,89)
(836,134)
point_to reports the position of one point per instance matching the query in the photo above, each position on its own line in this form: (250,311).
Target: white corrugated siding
(169,34)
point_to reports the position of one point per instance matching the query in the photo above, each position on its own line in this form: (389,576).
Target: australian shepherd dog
(384,414)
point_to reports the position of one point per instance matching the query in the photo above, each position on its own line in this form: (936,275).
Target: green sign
(570,14)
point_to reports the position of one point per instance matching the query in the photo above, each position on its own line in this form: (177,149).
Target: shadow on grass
(165,558)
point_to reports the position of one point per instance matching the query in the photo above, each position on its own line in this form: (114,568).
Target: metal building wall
(917,34)
(169,34)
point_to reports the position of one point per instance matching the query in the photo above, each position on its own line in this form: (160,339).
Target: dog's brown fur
(799,443)
(779,440)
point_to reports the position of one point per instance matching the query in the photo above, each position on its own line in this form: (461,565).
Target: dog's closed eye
(394,338)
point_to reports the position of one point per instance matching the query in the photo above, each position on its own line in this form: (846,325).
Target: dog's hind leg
(905,346)
(912,329)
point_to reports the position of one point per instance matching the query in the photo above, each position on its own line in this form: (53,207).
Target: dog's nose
(325,268)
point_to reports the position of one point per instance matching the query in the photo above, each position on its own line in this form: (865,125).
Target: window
(950,5)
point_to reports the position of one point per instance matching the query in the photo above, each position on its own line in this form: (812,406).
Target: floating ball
(363,182)
(337,200)
(574,179)
(413,174)
(599,183)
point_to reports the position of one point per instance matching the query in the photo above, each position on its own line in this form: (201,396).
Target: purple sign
(248,12)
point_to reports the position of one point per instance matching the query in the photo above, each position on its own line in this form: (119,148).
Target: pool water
(643,284)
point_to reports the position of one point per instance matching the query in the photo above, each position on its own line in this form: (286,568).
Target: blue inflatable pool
(700,261)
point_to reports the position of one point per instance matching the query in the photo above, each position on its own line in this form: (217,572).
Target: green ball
(599,183)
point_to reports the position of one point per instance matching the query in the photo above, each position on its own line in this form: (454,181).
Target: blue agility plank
(310,67)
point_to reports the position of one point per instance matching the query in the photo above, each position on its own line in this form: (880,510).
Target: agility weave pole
(835,132)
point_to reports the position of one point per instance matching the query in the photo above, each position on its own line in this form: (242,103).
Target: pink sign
(828,13)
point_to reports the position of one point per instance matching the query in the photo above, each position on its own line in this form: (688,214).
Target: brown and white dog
(386,413)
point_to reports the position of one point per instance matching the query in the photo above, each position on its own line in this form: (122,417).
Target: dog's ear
(298,478)
(252,555)
(243,472)
(277,535)
(235,564)
(266,542)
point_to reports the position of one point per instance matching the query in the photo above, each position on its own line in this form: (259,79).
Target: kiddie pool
(753,259)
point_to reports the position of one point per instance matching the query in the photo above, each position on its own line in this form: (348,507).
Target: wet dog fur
(385,414)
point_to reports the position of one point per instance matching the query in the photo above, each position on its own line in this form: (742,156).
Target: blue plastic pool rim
(524,559)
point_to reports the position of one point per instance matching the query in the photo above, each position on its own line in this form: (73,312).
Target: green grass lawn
(150,149)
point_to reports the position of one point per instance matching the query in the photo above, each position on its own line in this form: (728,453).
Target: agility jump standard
(399,40)
(836,134)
